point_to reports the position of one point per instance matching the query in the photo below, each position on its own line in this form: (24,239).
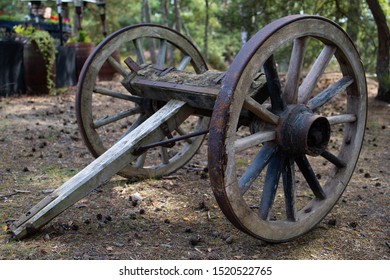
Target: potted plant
(83,46)
(38,59)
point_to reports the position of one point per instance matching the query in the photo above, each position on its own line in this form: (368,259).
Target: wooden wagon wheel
(306,139)
(100,123)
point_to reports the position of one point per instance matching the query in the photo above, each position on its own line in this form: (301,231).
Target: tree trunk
(353,23)
(177,15)
(145,15)
(383,56)
(206,32)
(164,12)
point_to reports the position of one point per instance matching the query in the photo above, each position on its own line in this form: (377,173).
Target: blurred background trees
(220,27)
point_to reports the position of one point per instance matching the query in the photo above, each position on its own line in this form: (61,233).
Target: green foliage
(228,18)
(82,36)
(9,17)
(45,44)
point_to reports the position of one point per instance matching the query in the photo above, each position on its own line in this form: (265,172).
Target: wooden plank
(99,171)
(195,96)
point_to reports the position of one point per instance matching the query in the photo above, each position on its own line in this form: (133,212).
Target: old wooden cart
(305,138)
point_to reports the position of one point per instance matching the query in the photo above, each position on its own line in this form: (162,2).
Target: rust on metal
(300,131)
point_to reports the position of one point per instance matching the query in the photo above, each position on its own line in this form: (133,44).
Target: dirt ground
(178,217)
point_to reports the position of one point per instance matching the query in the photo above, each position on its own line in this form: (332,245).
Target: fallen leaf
(186,219)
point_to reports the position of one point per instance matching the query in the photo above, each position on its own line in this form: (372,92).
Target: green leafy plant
(10,18)
(82,36)
(45,44)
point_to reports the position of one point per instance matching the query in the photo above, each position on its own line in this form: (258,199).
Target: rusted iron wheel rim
(280,181)
(93,129)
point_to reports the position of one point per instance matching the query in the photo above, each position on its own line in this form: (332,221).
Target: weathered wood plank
(99,171)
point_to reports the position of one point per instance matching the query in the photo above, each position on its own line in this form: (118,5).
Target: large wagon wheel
(306,139)
(100,122)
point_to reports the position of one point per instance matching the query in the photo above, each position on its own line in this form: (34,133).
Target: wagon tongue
(100,170)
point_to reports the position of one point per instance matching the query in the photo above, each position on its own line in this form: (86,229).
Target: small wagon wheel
(280,179)
(106,111)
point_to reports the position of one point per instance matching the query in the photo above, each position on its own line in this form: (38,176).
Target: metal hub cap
(300,131)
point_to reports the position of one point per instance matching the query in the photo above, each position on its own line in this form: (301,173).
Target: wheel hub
(300,131)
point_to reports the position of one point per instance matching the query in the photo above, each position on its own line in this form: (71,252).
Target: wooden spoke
(288,175)
(233,178)
(270,186)
(118,67)
(141,161)
(273,84)
(157,42)
(316,71)
(260,111)
(333,159)
(110,119)
(253,140)
(139,51)
(335,89)
(310,177)
(294,71)
(340,119)
(259,162)
(184,62)
(164,155)
(162,52)
(112,93)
